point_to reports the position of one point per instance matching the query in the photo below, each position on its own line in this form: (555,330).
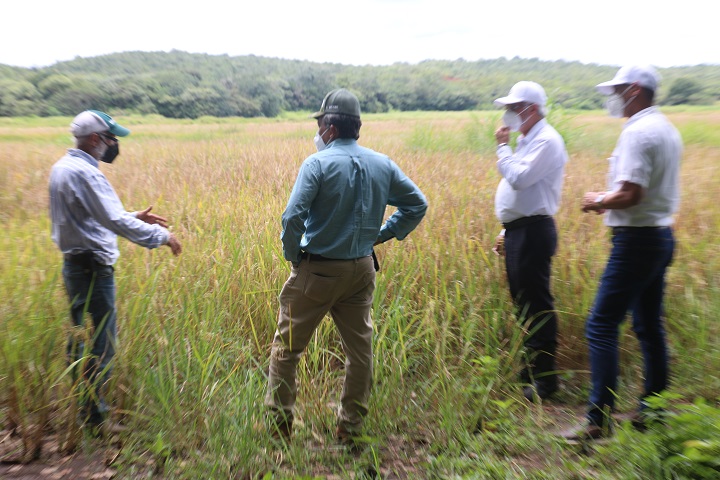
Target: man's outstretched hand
(151,218)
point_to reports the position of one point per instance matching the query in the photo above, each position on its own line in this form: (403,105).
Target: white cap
(95,121)
(643,75)
(528,92)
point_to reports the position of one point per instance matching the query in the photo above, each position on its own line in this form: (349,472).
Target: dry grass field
(195,330)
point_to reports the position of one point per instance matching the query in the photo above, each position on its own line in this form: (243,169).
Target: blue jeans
(634,280)
(91,289)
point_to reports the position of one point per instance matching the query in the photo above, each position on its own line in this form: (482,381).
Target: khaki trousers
(344,288)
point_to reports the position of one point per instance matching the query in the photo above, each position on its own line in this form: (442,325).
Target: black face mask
(111,153)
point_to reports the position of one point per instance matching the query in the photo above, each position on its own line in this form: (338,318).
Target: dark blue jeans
(91,289)
(634,280)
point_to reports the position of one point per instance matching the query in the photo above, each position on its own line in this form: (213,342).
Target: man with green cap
(87,216)
(333,218)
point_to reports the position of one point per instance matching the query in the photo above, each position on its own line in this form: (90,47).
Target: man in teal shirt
(333,218)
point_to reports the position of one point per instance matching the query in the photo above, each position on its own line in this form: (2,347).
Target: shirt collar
(641,114)
(76,152)
(342,141)
(532,133)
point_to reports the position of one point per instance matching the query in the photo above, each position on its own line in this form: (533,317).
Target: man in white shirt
(526,199)
(642,196)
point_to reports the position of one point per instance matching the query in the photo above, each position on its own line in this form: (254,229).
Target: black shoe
(540,376)
(641,420)
(547,387)
(529,393)
(101,427)
(540,390)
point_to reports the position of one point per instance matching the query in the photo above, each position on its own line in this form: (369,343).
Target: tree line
(182,85)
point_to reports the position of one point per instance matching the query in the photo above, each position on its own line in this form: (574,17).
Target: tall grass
(195,331)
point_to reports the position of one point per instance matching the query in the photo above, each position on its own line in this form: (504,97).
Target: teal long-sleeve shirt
(338,202)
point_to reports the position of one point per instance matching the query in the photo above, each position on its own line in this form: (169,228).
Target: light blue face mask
(319,142)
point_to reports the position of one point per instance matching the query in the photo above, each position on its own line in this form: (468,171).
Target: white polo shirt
(648,154)
(532,176)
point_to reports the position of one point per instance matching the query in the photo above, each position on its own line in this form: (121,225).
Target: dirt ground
(398,454)
(53,464)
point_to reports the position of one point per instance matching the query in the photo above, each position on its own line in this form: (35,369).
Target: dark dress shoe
(540,390)
(641,420)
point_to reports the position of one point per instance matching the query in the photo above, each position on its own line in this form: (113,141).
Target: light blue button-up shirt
(337,205)
(87,214)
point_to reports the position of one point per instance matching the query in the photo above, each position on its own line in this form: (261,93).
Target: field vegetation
(178,84)
(195,331)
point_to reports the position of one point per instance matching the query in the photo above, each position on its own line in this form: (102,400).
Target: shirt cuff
(385,235)
(504,150)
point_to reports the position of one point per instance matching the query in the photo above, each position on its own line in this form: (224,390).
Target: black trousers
(529,249)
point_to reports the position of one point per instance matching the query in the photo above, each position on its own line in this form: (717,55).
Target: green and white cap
(339,101)
(95,121)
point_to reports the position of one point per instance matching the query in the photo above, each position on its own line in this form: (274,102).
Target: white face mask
(615,104)
(319,142)
(513,120)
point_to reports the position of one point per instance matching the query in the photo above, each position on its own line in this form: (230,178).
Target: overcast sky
(379,32)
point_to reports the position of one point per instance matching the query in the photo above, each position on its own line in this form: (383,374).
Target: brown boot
(280,427)
(347,439)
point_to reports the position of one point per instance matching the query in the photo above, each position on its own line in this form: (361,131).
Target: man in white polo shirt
(526,199)
(642,196)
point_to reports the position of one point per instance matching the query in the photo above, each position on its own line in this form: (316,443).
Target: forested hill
(184,85)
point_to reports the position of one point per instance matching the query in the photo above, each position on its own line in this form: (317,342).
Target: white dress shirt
(532,176)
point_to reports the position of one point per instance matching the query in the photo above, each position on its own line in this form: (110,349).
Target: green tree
(683,90)
(83,94)
(54,84)
(19,98)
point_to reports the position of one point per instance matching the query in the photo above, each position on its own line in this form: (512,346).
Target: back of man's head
(342,109)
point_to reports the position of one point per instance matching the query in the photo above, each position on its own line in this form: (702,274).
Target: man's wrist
(599,201)
(503,144)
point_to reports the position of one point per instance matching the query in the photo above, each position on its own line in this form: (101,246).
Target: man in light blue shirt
(333,218)
(87,216)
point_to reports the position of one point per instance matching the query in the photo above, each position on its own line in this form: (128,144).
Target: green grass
(195,331)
